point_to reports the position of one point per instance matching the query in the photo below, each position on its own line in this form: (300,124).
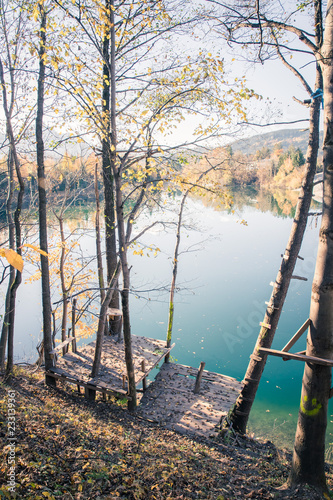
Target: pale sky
(276,83)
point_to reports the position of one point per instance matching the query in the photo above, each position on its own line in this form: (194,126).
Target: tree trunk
(123,240)
(174,274)
(46,296)
(64,290)
(4,330)
(240,413)
(11,322)
(108,124)
(176,253)
(309,449)
(11,237)
(122,243)
(18,274)
(14,227)
(116,175)
(100,271)
(102,320)
(98,240)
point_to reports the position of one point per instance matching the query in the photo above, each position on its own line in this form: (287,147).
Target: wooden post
(143,369)
(68,336)
(51,381)
(54,329)
(90,393)
(74,349)
(124,381)
(199,377)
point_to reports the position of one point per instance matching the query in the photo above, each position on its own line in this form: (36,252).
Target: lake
(227,262)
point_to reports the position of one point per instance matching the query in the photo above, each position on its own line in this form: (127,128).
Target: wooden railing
(63,344)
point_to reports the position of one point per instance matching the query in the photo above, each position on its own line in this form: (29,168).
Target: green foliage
(295,155)
(229,151)
(263,153)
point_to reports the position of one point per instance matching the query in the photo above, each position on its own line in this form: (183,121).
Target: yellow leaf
(13,258)
(36,249)
(35,12)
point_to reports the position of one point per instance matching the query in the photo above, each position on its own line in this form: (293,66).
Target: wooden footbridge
(75,367)
(181,398)
(173,401)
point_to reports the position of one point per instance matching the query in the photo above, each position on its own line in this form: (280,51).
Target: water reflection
(281,203)
(225,270)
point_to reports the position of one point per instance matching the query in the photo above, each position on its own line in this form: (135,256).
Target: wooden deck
(170,399)
(112,378)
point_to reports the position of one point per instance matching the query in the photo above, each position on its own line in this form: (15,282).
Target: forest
(95,98)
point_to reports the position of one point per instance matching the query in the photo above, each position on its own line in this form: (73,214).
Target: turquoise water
(225,270)
(224,285)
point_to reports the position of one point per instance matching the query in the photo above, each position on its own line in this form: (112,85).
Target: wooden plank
(151,367)
(111,311)
(297,335)
(189,370)
(173,369)
(69,378)
(299,352)
(61,345)
(60,374)
(170,400)
(76,367)
(297,357)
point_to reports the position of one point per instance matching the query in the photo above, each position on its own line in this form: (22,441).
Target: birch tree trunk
(309,449)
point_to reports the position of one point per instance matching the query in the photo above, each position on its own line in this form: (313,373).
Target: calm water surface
(225,270)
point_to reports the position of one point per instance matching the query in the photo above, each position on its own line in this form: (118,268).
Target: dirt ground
(69,448)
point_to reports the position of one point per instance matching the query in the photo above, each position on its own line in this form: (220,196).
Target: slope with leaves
(69,448)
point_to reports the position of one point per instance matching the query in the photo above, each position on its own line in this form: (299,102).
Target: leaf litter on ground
(69,448)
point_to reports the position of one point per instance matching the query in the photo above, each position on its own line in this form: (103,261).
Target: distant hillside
(285,137)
